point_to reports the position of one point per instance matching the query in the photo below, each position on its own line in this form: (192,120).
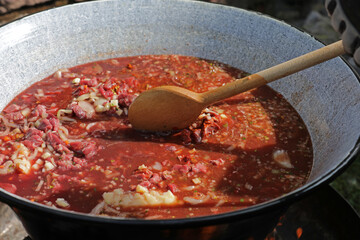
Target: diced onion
(282,158)
(90,125)
(63,111)
(48,166)
(114,103)
(76,81)
(220,202)
(51,149)
(37,123)
(8,167)
(87,107)
(189,188)
(62,202)
(119,112)
(83,97)
(61,117)
(232,147)
(100,101)
(33,155)
(67,119)
(39,185)
(100,108)
(22,165)
(195,201)
(114,62)
(62,135)
(39,94)
(44,114)
(93,96)
(142,167)
(64,129)
(46,155)
(98,208)
(58,73)
(197,181)
(157,166)
(25,112)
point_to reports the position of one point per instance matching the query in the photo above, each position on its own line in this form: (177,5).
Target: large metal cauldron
(326,96)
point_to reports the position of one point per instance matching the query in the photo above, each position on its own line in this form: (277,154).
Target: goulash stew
(66,142)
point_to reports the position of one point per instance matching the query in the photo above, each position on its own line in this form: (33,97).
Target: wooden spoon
(170,108)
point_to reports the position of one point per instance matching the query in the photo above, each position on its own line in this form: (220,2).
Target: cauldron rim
(17,202)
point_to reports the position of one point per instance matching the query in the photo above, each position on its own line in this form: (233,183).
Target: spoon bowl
(168,107)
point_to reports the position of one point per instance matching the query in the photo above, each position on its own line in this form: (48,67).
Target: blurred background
(308,15)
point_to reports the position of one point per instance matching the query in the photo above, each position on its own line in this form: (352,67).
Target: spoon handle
(276,72)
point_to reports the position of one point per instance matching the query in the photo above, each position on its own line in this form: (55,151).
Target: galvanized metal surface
(326,96)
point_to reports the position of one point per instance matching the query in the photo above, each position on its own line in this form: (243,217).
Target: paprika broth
(66,142)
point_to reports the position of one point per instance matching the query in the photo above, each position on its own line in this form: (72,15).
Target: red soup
(66,142)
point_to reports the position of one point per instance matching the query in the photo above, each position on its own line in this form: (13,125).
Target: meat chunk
(206,125)
(171,148)
(33,141)
(55,123)
(91,82)
(12,108)
(15,116)
(196,135)
(39,111)
(182,168)
(145,184)
(33,138)
(34,131)
(77,146)
(45,125)
(166,175)
(110,84)
(155,178)
(173,188)
(106,93)
(79,161)
(132,82)
(217,162)
(125,99)
(199,168)
(210,128)
(89,149)
(143,174)
(186,136)
(126,84)
(78,111)
(82,109)
(184,158)
(67,161)
(55,141)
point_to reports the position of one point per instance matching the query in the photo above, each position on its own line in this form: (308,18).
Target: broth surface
(66,142)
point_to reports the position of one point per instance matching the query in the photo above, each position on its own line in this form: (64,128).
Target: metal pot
(326,96)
